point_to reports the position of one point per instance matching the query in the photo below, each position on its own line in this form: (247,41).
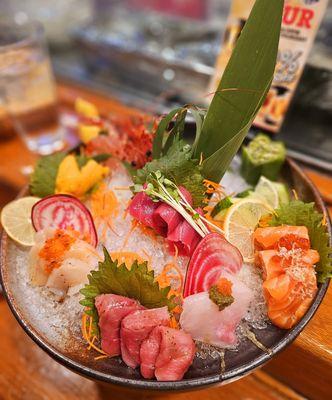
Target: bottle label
(301,20)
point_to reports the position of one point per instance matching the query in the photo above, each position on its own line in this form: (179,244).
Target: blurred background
(153,55)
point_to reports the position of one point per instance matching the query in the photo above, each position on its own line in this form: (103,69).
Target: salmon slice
(310,257)
(278,287)
(270,265)
(266,238)
(287,262)
(286,312)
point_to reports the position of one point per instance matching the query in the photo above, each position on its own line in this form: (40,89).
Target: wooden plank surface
(27,373)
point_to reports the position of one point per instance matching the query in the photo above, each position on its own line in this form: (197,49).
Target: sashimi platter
(143,259)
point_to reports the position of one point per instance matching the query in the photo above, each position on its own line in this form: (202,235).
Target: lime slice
(16,220)
(267,192)
(282,193)
(240,223)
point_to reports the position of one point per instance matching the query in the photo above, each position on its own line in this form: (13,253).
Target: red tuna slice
(167,353)
(166,218)
(142,209)
(63,212)
(186,195)
(213,256)
(111,310)
(185,238)
(135,328)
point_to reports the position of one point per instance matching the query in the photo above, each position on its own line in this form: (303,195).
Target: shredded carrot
(133,227)
(126,257)
(87,333)
(165,279)
(83,326)
(264,222)
(125,214)
(101,357)
(219,224)
(324,221)
(104,206)
(215,189)
(104,231)
(212,185)
(104,203)
(110,225)
(147,256)
(174,323)
(92,340)
(146,230)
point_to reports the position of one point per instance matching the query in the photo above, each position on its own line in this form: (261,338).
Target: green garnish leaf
(178,167)
(304,214)
(158,141)
(82,160)
(43,178)
(101,157)
(223,204)
(167,134)
(137,282)
(220,299)
(242,89)
(244,194)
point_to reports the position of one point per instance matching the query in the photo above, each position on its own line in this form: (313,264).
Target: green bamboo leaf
(162,127)
(199,116)
(176,131)
(221,159)
(242,88)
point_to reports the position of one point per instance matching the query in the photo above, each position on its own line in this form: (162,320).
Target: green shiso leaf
(304,214)
(242,89)
(42,180)
(136,282)
(177,166)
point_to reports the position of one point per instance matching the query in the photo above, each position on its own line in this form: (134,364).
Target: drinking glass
(27,86)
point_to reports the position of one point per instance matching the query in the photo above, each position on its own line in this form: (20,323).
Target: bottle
(301,20)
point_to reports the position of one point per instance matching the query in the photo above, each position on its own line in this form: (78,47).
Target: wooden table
(27,373)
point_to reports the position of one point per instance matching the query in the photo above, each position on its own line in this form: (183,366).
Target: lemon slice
(240,222)
(16,220)
(267,192)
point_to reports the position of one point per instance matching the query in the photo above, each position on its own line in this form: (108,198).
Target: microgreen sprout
(160,188)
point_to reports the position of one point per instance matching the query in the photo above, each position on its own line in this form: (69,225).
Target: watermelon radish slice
(61,211)
(212,256)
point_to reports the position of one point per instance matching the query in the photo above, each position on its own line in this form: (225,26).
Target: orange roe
(54,248)
(224,286)
(291,242)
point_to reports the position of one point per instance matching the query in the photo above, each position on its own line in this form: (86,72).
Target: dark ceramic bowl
(73,354)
